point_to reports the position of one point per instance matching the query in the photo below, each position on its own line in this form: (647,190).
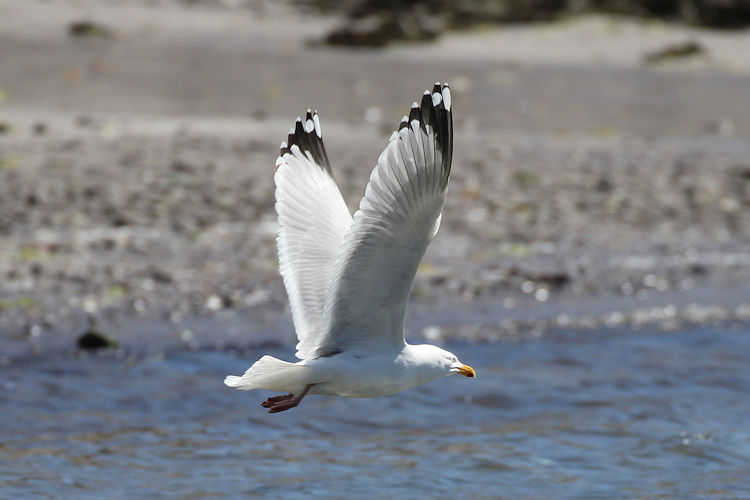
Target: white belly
(368,377)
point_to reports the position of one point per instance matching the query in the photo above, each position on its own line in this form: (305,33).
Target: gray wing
(397,219)
(313,220)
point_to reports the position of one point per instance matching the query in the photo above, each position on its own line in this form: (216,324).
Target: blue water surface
(615,414)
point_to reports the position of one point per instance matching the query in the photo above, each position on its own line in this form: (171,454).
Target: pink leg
(275,399)
(282,403)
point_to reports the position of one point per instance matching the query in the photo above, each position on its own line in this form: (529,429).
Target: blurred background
(593,254)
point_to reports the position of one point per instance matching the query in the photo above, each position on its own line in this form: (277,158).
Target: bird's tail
(272,374)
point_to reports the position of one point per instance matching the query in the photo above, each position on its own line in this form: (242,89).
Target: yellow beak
(467,371)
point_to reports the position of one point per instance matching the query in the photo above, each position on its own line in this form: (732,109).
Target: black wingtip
(308,137)
(442,104)
(415,113)
(404,123)
(435,115)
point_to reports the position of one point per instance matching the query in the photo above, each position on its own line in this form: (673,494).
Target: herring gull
(348,278)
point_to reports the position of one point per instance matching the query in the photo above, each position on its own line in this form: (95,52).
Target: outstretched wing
(397,219)
(313,219)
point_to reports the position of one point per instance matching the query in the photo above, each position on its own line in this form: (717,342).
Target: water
(615,414)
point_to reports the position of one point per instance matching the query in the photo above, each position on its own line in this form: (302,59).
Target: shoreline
(134,185)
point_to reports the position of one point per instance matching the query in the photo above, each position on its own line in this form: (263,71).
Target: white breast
(348,374)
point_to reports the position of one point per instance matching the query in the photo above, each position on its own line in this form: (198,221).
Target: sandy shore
(136,171)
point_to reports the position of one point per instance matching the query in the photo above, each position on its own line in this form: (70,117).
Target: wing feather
(397,218)
(313,220)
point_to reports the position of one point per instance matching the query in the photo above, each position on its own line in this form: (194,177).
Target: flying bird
(348,278)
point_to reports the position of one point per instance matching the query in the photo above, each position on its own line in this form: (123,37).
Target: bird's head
(456,367)
(445,361)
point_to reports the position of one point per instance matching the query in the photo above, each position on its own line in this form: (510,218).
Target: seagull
(348,278)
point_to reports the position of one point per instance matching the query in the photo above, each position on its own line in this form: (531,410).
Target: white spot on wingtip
(299,119)
(283,145)
(437,83)
(279,161)
(414,105)
(309,126)
(447,98)
(436,98)
(291,131)
(405,119)
(316,121)
(426,92)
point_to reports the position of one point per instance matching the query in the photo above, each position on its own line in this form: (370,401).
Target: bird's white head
(445,362)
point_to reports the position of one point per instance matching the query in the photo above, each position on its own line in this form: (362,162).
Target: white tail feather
(272,374)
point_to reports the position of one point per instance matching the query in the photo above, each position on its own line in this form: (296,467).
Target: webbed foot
(276,404)
(268,403)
